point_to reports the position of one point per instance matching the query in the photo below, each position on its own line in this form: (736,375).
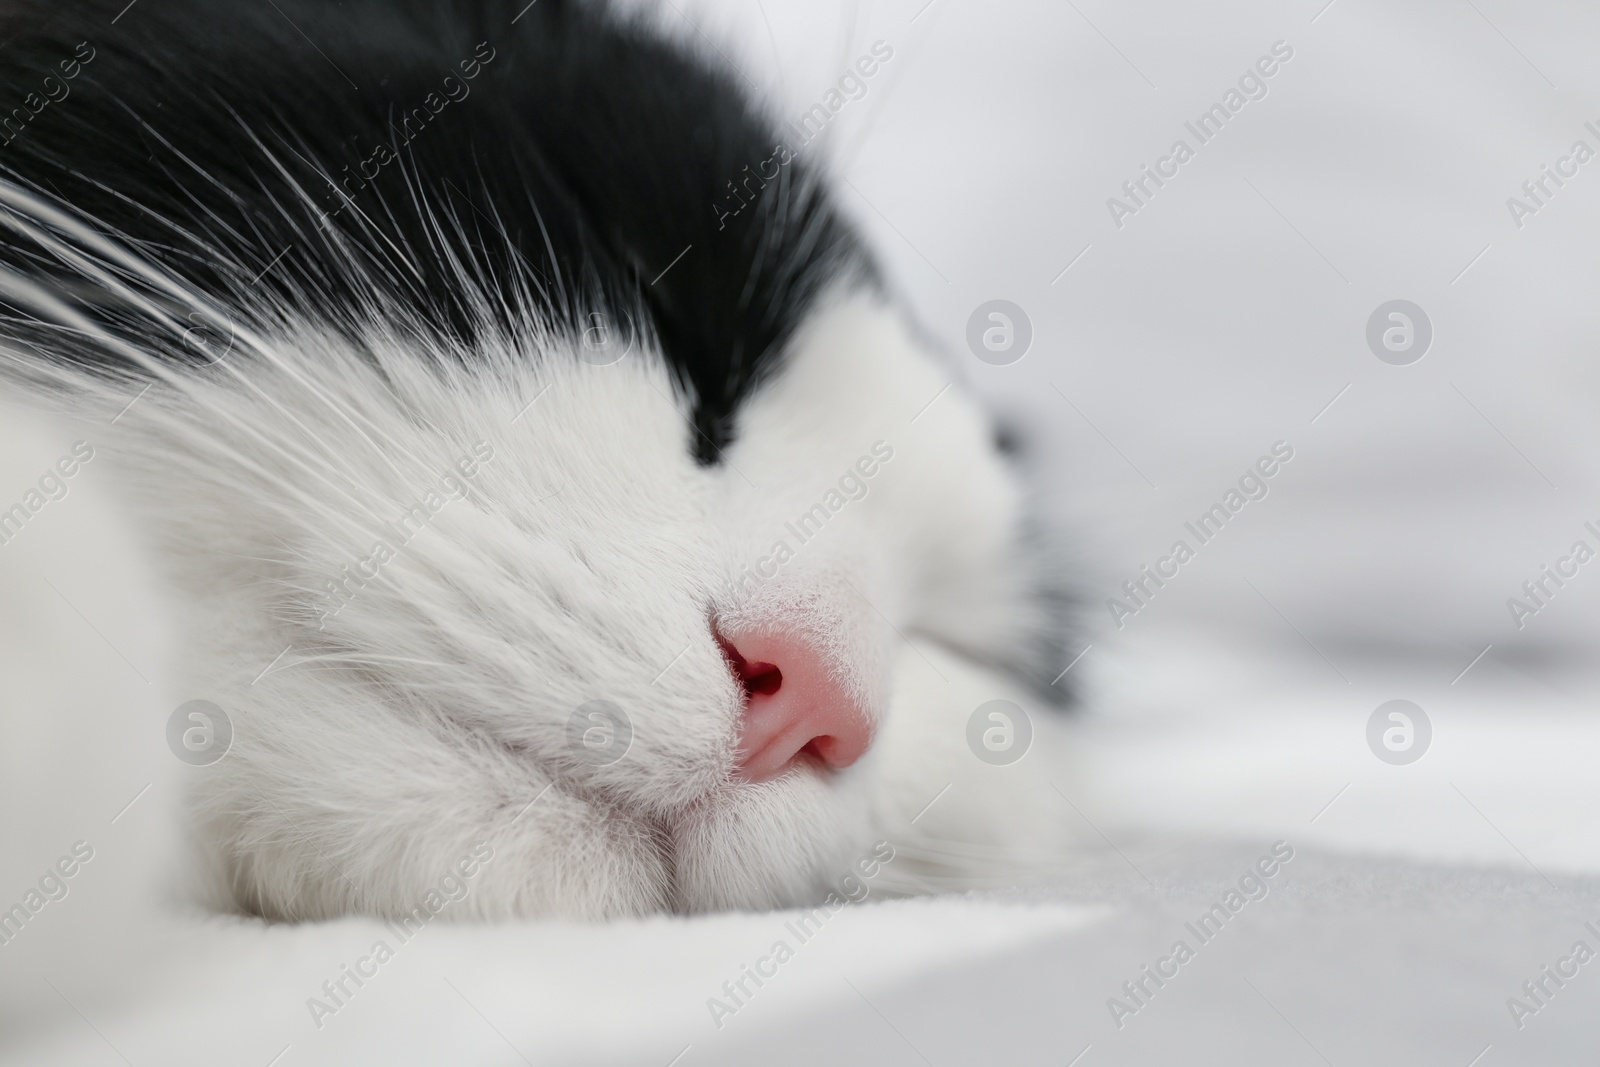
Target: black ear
(1054,600)
(1057,599)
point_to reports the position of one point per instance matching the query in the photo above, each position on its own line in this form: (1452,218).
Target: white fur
(587,559)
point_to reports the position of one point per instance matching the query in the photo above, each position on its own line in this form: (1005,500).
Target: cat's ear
(1055,605)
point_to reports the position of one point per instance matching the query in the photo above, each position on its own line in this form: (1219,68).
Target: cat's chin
(774,844)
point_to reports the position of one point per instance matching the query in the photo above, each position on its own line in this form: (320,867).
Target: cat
(521,508)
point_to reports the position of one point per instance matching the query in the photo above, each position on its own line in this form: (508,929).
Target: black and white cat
(511,491)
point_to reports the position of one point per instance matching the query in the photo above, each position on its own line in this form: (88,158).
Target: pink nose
(796,708)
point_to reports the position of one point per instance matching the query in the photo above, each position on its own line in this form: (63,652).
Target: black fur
(585,157)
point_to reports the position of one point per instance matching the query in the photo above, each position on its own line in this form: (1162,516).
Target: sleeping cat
(521,505)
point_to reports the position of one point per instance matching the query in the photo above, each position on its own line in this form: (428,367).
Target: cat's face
(468,580)
(519,587)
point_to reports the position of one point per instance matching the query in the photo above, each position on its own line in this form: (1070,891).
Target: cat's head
(533,487)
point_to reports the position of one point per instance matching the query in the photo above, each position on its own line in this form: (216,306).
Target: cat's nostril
(796,706)
(757,677)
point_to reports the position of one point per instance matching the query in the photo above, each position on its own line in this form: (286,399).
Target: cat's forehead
(569,166)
